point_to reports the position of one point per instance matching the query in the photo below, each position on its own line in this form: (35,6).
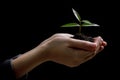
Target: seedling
(81,23)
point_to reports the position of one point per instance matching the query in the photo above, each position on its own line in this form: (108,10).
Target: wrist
(41,53)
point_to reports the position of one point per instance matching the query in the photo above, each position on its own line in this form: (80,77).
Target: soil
(83,37)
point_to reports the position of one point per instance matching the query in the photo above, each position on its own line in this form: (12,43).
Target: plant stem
(80,26)
(80,29)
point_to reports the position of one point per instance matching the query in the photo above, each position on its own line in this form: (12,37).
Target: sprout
(81,23)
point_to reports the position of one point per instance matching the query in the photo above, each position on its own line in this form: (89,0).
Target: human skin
(60,48)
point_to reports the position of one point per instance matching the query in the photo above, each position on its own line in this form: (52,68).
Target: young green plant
(81,23)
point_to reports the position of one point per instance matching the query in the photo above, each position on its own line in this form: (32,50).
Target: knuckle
(57,34)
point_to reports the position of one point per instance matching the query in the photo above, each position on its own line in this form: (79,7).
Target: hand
(63,49)
(60,48)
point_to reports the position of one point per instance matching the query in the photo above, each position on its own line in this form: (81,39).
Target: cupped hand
(63,49)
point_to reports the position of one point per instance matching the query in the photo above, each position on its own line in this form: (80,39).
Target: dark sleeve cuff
(7,72)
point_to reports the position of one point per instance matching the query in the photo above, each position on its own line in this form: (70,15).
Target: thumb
(82,44)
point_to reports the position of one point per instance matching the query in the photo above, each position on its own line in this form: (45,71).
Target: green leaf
(87,25)
(70,25)
(86,22)
(76,15)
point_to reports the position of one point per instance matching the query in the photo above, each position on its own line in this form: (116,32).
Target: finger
(99,41)
(87,57)
(101,48)
(81,44)
(104,43)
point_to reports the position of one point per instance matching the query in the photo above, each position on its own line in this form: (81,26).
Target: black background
(25,24)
